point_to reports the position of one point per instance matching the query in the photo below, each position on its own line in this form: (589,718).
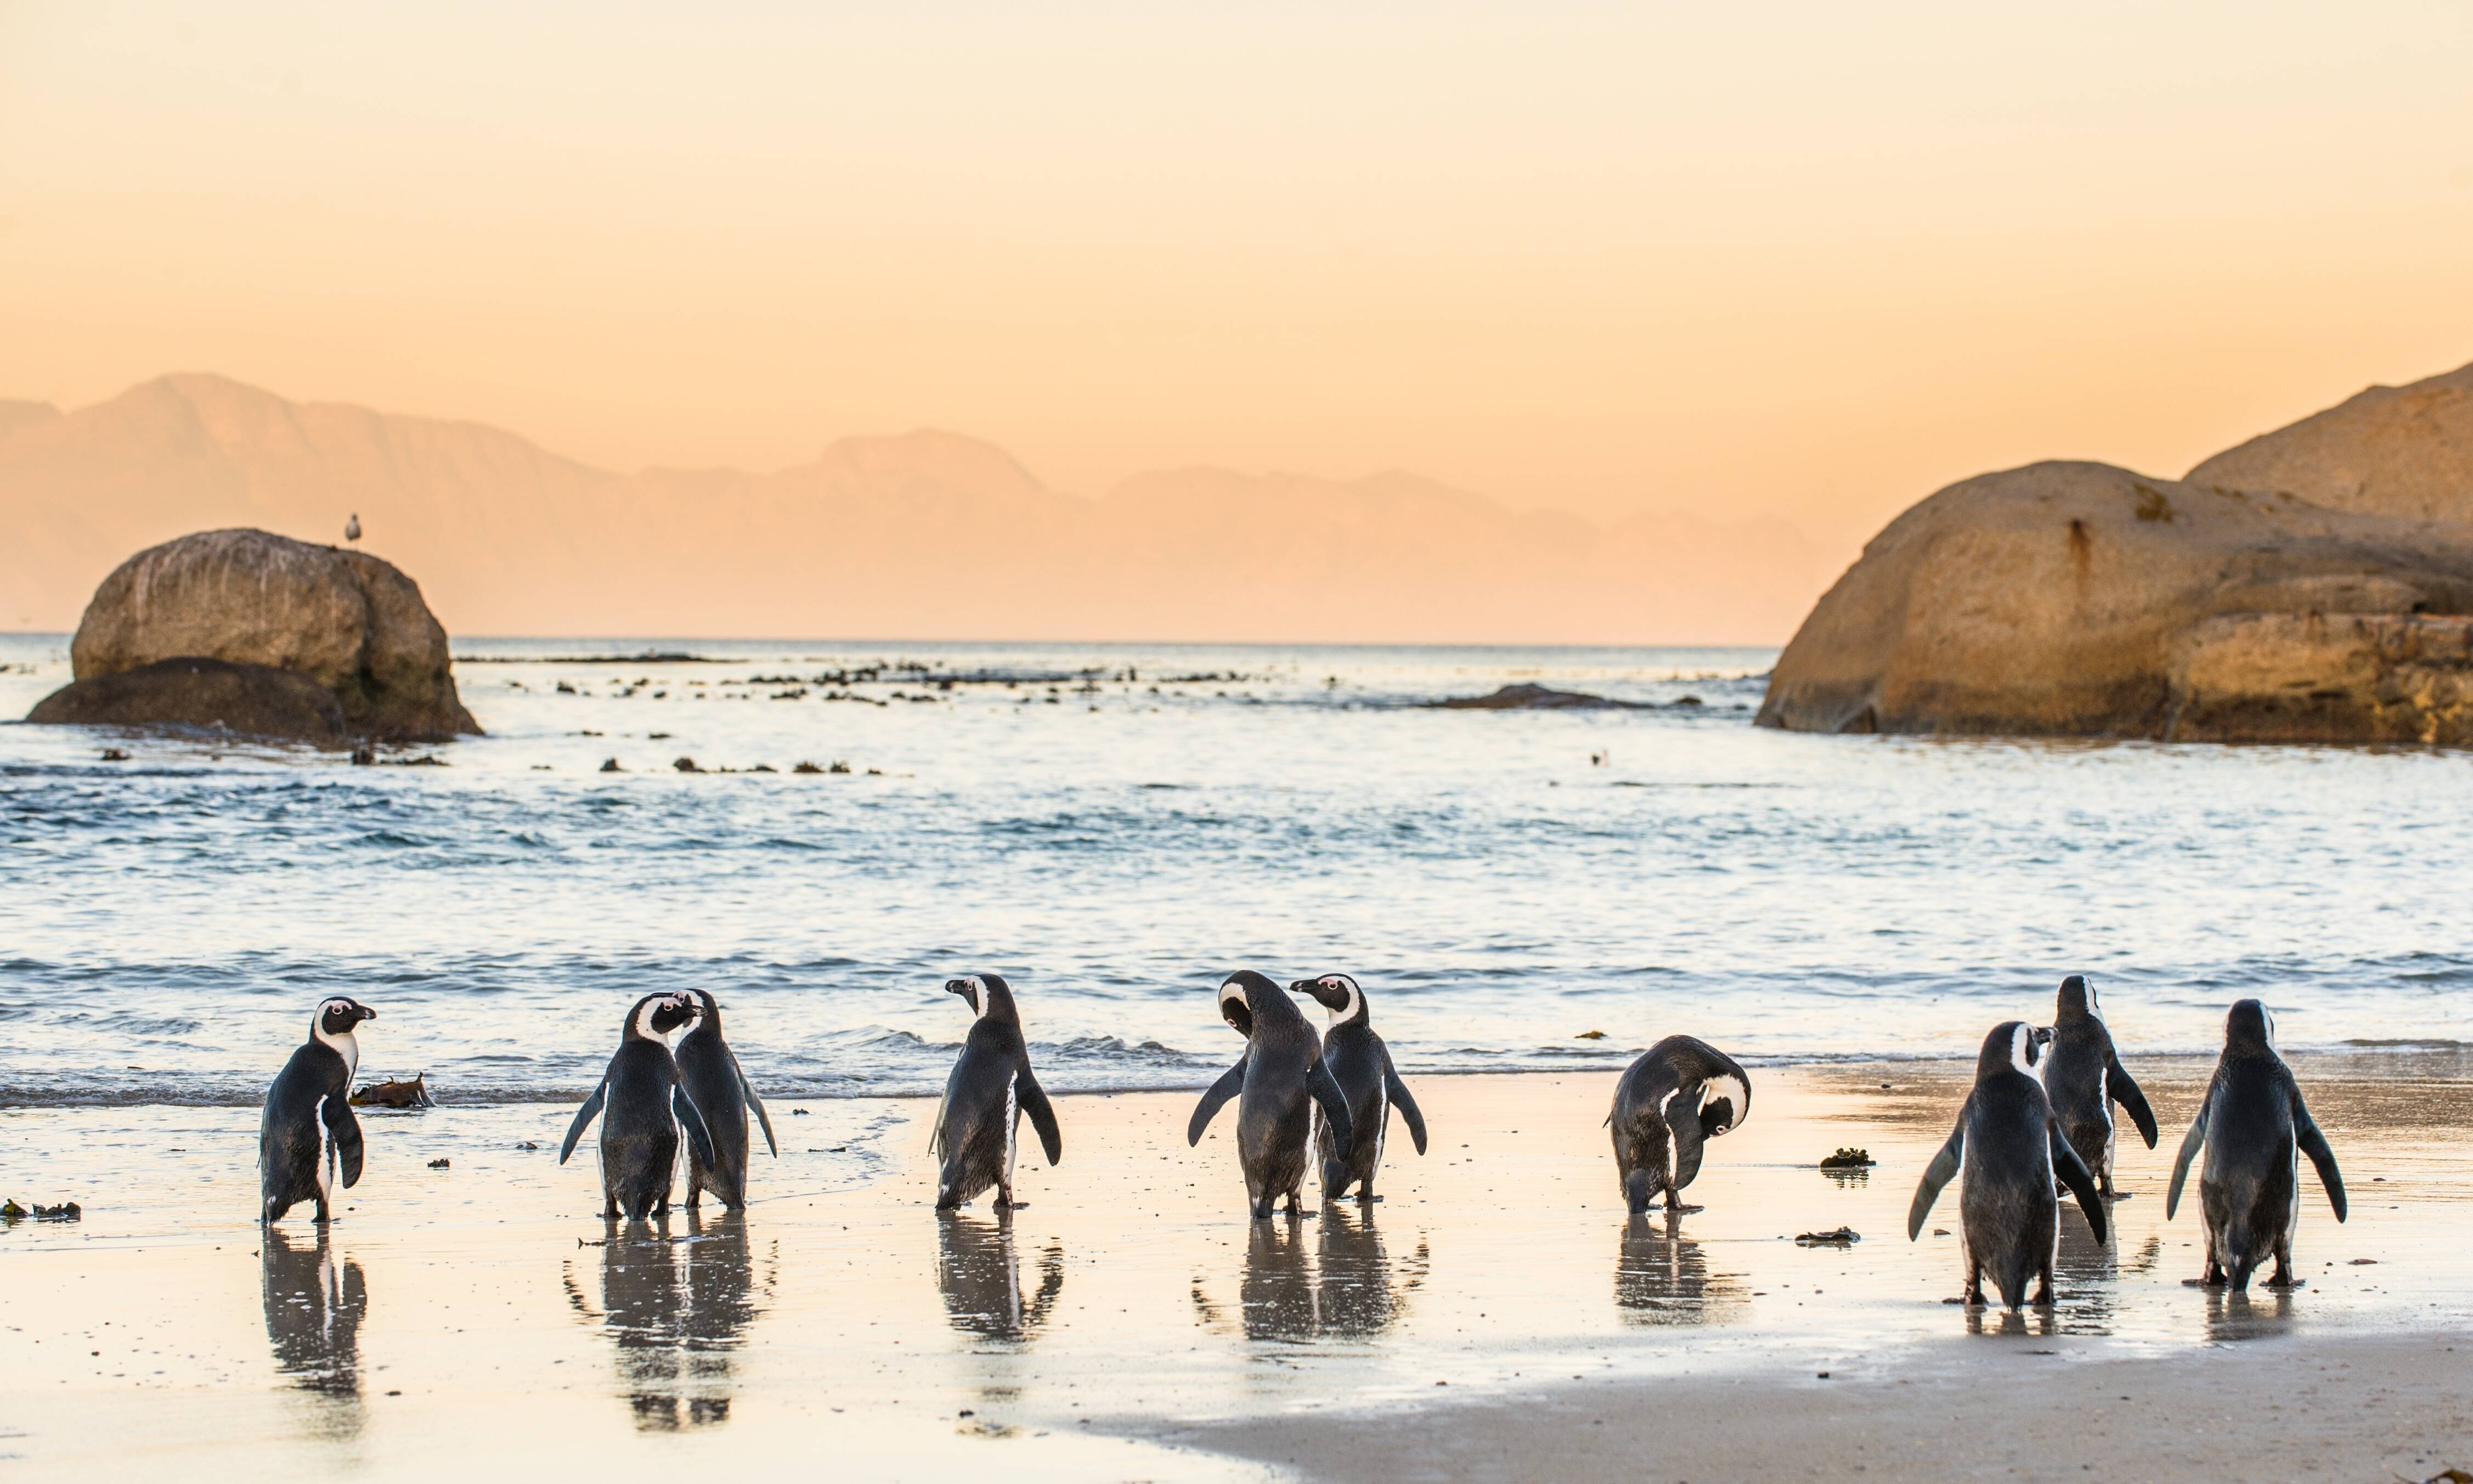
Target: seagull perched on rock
(352,527)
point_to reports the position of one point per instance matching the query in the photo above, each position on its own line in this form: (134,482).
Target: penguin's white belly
(326,1153)
(1011,1113)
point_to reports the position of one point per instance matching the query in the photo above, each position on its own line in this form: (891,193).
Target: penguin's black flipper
(1683,1125)
(2322,1158)
(583,1118)
(1231,1082)
(1325,1089)
(2074,1174)
(756,1105)
(346,1131)
(2124,1092)
(1031,1098)
(1397,1091)
(2190,1143)
(1941,1172)
(692,1121)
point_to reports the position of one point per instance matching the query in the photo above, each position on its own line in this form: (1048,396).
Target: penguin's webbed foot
(1678,1209)
(2043,1298)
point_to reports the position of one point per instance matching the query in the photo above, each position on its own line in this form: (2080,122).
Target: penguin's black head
(1725,1101)
(2013,1046)
(1245,994)
(985,993)
(1337,994)
(2249,1026)
(656,1015)
(338,1014)
(2078,999)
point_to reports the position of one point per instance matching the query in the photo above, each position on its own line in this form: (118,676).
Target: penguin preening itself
(1360,1064)
(2013,1147)
(990,1089)
(1281,1078)
(2253,1123)
(709,1069)
(1679,1094)
(308,1133)
(2083,1077)
(642,1109)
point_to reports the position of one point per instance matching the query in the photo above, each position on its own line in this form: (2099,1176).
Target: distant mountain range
(927,535)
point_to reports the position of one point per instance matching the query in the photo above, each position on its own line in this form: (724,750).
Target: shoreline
(1129,1322)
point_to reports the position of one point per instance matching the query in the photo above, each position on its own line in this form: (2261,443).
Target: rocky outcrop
(248,699)
(2082,600)
(2390,450)
(349,622)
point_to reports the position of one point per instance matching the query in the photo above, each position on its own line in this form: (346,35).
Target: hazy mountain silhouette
(924,534)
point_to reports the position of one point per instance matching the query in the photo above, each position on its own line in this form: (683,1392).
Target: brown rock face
(349,622)
(2083,600)
(253,700)
(2390,450)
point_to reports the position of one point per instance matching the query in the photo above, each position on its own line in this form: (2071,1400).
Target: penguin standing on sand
(2083,1077)
(1681,1093)
(990,1089)
(2253,1123)
(2013,1147)
(642,1109)
(709,1069)
(1359,1061)
(1281,1078)
(308,1133)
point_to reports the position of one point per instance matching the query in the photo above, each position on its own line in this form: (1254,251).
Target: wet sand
(1495,1315)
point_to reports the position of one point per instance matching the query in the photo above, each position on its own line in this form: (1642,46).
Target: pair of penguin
(1297,1091)
(2034,1115)
(648,1097)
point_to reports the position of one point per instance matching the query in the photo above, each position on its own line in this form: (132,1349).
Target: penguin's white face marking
(346,1014)
(650,1008)
(971,988)
(1347,1009)
(1726,1090)
(1233,994)
(2027,1047)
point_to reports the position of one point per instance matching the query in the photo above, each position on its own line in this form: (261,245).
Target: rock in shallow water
(348,621)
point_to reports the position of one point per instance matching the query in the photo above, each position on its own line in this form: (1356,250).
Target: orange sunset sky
(1796,261)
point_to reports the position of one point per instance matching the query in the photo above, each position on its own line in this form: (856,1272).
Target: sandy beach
(1497,1315)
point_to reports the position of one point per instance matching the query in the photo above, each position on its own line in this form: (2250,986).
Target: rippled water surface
(1118,826)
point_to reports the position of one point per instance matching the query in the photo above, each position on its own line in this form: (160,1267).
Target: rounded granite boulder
(348,622)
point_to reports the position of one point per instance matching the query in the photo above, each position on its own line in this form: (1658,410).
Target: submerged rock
(1534,698)
(253,700)
(346,621)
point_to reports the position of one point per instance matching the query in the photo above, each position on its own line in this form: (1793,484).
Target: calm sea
(1114,827)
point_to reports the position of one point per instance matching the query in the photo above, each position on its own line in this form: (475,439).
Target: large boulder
(252,699)
(348,621)
(2069,599)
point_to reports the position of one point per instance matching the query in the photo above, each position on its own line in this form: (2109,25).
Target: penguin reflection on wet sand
(1662,1277)
(642,1109)
(990,1089)
(314,1305)
(675,1309)
(1681,1093)
(307,1135)
(2254,1124)
(2011,1148)
(1360,1064)
(709,1069)
(979,1276)
(2083,1077)
(1277,1083)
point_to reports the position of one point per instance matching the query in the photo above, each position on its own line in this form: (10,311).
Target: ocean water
(1114,827)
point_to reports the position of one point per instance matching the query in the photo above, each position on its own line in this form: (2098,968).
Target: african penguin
(709,1069)
(1360,1064)
(2083,1077)
(2012,1146)
(990,1089)
(642,1109)
(1281,1078)
(307,1133)
(1679,1094)
(2253,1123)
